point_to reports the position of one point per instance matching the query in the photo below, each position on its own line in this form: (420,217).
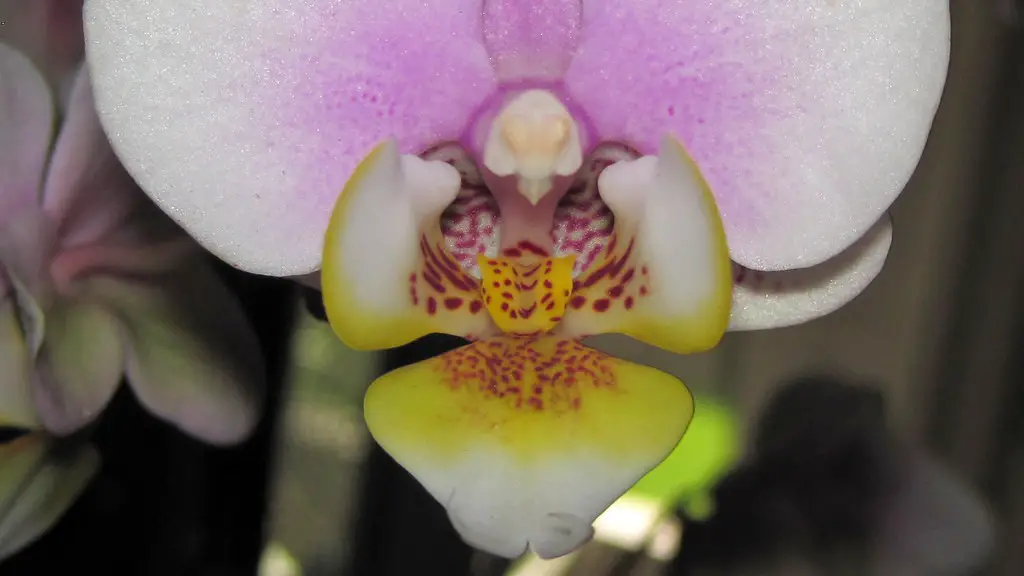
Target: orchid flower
(96,283)
(526,174)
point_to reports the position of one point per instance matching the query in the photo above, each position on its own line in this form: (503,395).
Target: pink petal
(807,119)
(192,357)
(26,128)
(78,366)
(531,39)
(244,120)
(47,31)
(87,193)
(40,478)
(26,243)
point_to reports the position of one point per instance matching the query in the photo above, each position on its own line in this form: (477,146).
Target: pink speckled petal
(762,300)
(243,120)
(26,128)
(531,39)
(806,118)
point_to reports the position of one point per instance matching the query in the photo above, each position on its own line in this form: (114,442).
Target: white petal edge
(763,300)
(558,520)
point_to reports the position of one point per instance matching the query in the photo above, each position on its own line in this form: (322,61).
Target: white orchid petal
(244,119)
(806,118)
(764,300)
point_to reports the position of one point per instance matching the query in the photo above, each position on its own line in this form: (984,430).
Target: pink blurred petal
(40,478)
(193,358)
(935,523)
(49,32)
(87,193)
(246,128)
(26,129)
(78,367)
(806,119)
(16,408)
(531,39)
(26,244)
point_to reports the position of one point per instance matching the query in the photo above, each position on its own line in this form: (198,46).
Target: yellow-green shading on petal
(526,440)
(40,478)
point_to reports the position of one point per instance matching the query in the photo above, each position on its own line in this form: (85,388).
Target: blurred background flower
(102,284)
(96,285)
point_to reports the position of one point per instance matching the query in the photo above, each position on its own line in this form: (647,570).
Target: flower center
(525,255)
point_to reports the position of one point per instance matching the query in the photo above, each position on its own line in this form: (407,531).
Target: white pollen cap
(535,138)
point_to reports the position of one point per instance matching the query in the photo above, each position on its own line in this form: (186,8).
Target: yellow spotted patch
(535,398)
(526,295)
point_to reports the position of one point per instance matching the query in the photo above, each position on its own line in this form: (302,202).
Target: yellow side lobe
(665,276)
(387,277)
(533,399)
